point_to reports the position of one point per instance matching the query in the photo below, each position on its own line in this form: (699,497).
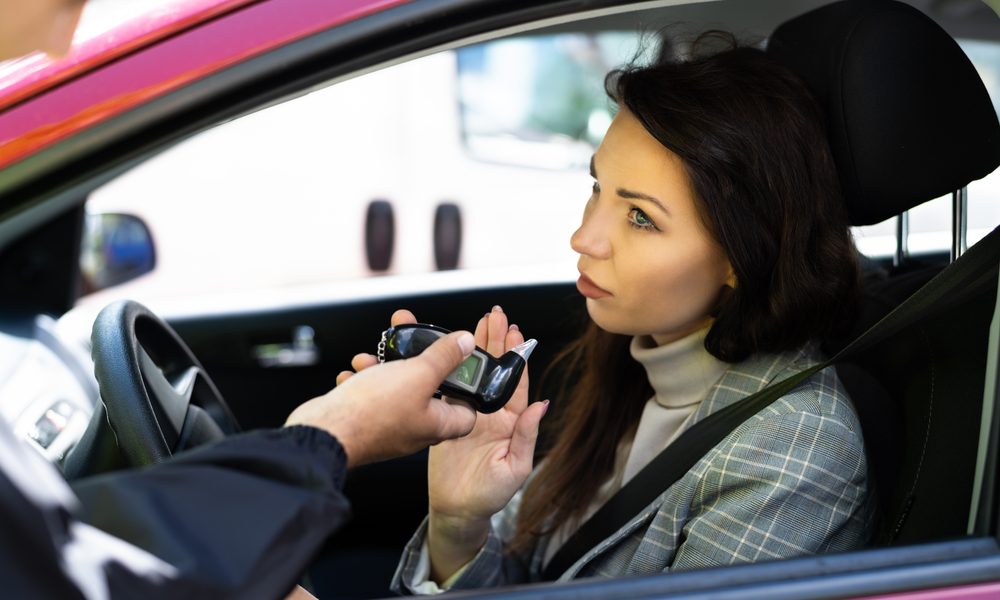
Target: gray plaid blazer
(790,481)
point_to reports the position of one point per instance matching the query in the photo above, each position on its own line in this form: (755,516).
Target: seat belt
(953,285)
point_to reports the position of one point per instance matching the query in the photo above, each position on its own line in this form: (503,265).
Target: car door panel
(389,499)
(263,396)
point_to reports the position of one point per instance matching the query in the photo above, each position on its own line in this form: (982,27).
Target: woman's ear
(731,278)
(725,294)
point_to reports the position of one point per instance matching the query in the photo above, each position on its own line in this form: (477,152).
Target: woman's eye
(639,220)
(595,189)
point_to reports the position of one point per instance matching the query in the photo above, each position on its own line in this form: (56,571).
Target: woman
(714,252)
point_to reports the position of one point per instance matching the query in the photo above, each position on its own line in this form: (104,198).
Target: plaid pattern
(790,481)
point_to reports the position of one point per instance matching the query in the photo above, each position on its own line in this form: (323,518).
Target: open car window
(417,168)
(427,166)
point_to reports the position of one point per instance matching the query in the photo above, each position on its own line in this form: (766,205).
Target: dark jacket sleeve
(240,518)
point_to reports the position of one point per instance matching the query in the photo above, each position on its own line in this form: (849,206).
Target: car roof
(108,30)
(147,56)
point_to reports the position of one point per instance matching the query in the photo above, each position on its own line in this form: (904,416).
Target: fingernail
(466,342)
(496,308)
(546,409)
(513,327)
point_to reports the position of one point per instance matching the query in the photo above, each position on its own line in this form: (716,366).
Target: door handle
(301,352)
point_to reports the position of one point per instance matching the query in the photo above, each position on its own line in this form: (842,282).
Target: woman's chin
(624,323)
(609,321)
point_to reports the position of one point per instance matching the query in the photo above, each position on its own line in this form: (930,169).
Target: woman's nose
(591,238)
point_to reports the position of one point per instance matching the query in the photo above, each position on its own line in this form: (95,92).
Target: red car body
(129,64)
(147,57)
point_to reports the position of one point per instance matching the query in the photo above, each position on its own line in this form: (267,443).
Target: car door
(317,323)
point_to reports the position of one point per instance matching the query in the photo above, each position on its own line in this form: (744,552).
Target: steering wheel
(157,399)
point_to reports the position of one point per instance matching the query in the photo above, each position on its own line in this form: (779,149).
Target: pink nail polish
(513,327)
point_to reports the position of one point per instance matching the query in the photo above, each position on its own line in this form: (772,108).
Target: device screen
(467,371)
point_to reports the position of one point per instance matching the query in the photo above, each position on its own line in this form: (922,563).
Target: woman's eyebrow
(632,195)
(629,194)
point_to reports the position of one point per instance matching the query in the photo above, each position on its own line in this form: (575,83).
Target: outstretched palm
(475,476)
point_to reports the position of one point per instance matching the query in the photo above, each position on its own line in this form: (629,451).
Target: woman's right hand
(473,477)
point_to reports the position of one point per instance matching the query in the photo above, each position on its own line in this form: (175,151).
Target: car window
(931,223)
(431,165)
(445,162)
(539,101)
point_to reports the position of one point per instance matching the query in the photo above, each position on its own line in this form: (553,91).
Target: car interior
(842,51)
(909,119)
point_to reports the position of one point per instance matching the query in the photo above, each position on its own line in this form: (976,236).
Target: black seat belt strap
(954,284)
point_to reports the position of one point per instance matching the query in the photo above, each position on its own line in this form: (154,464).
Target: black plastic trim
(380,235)
(40,269)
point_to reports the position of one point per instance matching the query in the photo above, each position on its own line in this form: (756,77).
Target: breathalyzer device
(485,382)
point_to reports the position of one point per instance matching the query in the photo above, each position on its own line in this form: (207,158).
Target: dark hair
(753,143)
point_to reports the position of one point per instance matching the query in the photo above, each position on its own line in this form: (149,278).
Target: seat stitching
(927,435)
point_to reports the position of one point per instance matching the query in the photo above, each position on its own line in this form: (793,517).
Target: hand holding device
(387,410)
(472,477)
(482,380)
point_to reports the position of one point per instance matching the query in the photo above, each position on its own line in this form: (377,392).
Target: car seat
(909,120)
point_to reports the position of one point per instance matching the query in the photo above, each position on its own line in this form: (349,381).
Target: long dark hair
(754,146)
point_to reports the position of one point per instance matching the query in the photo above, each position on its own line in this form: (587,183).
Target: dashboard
(47,386)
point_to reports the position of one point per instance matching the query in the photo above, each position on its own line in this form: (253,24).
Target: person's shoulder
(814,426)
(820,402)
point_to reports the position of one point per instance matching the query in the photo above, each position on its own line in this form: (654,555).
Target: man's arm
(239,518)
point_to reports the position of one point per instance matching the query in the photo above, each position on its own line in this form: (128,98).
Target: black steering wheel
(157,399)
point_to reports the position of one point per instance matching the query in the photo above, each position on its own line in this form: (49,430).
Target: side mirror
(115,248)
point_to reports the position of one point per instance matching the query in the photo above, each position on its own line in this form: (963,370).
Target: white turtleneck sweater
(681,373)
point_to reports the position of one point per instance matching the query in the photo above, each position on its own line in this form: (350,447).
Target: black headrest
(909,117)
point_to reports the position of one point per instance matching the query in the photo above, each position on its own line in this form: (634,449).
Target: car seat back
(909,120)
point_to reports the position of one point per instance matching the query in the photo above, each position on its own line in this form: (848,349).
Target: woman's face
(647,264)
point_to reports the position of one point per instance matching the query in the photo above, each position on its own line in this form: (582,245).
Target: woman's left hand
(472,477)
(359,363)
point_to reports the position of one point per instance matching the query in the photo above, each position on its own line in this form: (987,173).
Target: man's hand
(388,410)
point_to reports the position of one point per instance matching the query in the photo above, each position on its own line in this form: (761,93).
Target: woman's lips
(590,289)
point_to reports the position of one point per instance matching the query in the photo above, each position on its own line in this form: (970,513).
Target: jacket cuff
(319,441)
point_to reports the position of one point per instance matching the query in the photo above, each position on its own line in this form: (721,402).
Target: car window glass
(450,161)
(930,224)
(445,162)
(539,101)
